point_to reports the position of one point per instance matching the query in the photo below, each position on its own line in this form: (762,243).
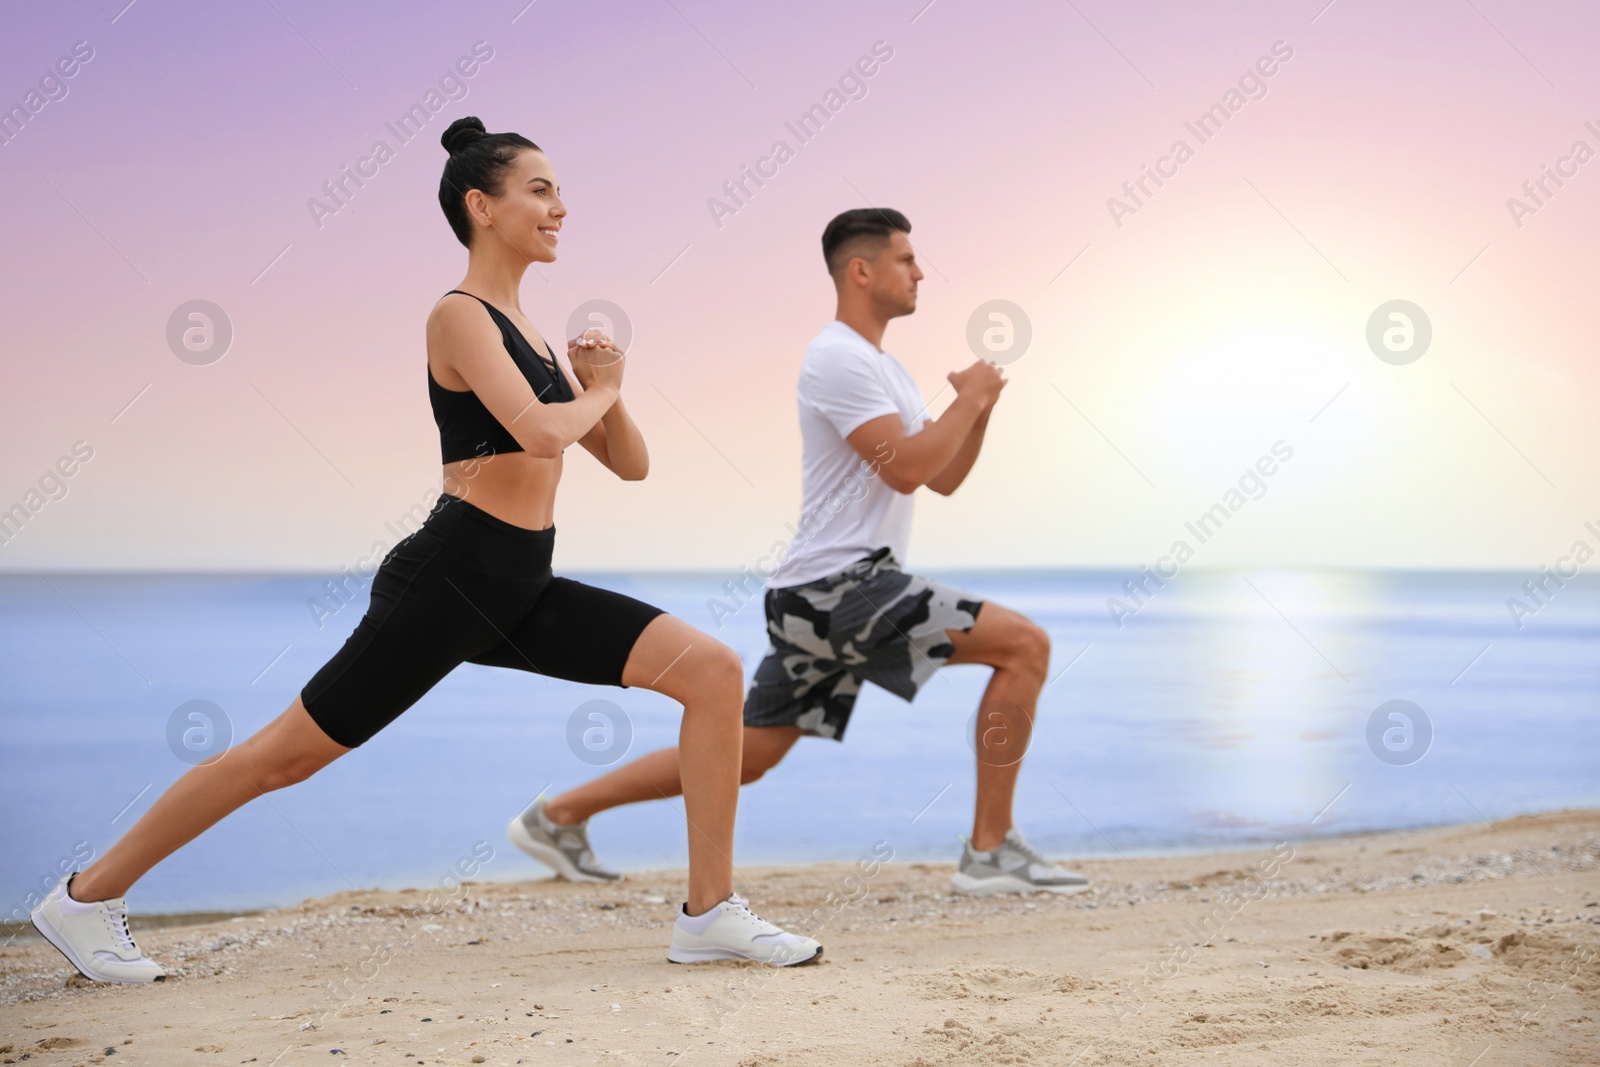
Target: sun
(1221,403)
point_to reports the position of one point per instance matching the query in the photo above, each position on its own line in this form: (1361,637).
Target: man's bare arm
(949,480)
(920,458)
(915,459)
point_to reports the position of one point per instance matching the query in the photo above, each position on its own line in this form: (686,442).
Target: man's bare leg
(1017,649)
(1019,652)
(655,776)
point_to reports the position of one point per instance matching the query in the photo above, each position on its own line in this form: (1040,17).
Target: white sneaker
(94,937)
(731,931)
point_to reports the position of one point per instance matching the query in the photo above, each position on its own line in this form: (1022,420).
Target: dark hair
(478,160)
(853,232)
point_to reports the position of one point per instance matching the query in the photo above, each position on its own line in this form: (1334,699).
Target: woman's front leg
(705,676)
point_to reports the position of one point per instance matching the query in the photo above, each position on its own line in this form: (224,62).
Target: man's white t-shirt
(846,510)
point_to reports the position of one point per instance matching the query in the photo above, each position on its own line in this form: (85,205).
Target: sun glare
(1226,401)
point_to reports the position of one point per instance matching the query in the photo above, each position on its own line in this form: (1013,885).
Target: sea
(1222,710)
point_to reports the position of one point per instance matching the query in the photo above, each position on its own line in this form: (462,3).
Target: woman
(474,584)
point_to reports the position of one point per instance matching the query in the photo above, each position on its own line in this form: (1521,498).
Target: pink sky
(1219,317)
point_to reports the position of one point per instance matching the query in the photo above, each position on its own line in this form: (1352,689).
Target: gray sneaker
(564,849)
(1013,866)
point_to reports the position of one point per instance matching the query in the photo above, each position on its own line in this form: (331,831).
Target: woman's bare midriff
(514,487)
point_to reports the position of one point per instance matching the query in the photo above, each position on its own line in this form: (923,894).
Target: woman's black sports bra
(466,427)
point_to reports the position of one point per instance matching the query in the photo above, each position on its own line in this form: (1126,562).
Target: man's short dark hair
(862,231)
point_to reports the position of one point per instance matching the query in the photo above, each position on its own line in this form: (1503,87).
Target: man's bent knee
(764,749)
(757,764)
(1033,647)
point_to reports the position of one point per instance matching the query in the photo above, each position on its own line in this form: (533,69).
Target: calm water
(1233,708)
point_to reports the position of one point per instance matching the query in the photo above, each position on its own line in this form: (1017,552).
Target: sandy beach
(1475,944)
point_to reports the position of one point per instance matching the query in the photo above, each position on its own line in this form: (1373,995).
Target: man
(839,609)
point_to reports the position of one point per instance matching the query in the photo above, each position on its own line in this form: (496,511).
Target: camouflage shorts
(871,622)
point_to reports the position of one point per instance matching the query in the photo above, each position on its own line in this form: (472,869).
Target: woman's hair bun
(462,132)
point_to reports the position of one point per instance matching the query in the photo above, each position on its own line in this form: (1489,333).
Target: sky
(1237,316)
